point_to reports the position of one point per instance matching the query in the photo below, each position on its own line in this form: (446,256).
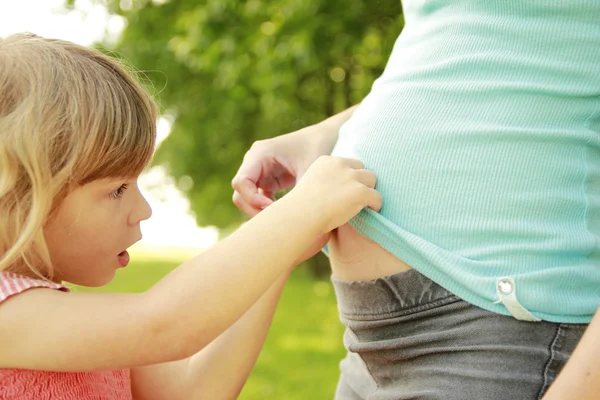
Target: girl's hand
(278,163)
(334,190)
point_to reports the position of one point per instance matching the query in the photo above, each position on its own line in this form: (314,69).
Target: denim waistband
(395,295)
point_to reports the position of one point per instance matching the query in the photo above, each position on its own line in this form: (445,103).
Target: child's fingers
(374,199)
(354,163)
(245,186)
(248,193)
(245,181)
(268,186)
(366,177)
(240,203)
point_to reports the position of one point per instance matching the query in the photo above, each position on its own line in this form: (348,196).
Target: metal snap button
(505,286)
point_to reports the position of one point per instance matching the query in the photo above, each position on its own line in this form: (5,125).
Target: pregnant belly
(353,257)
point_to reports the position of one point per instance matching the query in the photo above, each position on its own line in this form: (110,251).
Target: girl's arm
(220,370)
(580,378)
(185,311)
(50,330)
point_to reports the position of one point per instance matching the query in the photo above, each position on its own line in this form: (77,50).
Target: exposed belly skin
(355,258)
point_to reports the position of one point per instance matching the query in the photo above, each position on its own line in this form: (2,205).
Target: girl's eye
(119,192)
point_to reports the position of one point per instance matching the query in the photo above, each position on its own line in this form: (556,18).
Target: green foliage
(232,72)
(303,349)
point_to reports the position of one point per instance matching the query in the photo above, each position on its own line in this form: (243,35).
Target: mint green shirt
(484,133)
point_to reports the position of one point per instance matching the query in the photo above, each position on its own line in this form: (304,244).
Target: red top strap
(11,284)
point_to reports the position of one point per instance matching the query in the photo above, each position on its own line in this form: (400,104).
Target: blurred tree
(231,72)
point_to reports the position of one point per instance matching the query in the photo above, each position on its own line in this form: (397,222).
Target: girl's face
(94,225)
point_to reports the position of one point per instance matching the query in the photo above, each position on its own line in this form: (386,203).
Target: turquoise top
(484,133)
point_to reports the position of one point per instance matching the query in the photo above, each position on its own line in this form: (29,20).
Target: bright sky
(172,223)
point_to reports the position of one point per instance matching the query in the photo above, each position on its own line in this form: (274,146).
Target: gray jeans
(409,338)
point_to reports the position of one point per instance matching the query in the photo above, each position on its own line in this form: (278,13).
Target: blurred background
(227,73)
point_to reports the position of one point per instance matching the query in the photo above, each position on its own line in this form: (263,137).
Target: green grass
(301,355)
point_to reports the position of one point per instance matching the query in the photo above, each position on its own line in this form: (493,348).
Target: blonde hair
(68,115)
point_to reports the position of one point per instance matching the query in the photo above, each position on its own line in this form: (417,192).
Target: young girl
(76,130)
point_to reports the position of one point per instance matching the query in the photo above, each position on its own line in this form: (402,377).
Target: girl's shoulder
(12,284)
(29,384)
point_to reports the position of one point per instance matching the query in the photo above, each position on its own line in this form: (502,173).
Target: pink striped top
(25,384)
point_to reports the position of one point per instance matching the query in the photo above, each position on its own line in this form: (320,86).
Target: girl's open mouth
(123,258)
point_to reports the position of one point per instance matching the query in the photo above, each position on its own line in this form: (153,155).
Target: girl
(76,130)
